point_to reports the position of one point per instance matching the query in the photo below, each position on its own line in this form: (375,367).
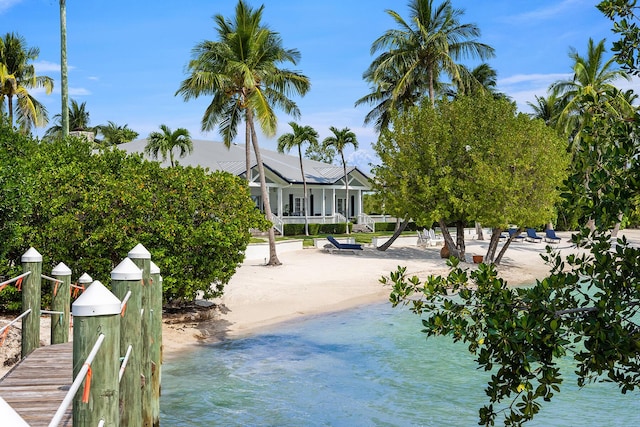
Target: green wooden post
(96,312)
(142,258)
(156,340)
(31,261)
(124,278)
(60,301)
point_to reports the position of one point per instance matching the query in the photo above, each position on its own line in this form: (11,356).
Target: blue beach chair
(342,247)
(551,237)
(532,236)
(515,235)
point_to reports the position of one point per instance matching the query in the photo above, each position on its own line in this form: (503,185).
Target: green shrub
(89,209)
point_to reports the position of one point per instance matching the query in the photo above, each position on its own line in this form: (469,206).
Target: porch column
(359,205)
(324,203)
(280,214)
(333,202)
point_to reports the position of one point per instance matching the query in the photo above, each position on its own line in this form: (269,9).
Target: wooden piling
(31,261)
(156,340)
(97,312)
(60,301)
(142,258)
(124,278)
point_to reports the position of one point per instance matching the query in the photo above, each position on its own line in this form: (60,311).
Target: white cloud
(79,91)
(552,11)
(7,4)
(536,79)
(46,66)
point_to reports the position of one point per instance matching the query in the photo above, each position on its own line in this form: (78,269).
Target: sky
(127,59)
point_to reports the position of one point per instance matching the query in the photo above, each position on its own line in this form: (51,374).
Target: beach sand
(311,281)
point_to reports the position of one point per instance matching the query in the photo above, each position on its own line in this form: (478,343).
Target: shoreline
(312,282)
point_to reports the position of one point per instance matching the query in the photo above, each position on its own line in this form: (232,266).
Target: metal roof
(216,156)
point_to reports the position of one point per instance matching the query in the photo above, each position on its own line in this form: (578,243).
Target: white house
(325,182)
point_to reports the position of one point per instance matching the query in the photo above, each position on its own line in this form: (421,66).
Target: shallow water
(369,366)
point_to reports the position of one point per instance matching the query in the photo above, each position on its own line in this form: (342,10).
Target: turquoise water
(369,366)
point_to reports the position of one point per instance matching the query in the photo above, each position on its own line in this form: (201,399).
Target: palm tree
(300,135)
(113,134)
(163,143)
(78,121)
(64,80)
(20,77)
(340,139)
(591,86)
(547,109)
(414,55)
(241,72)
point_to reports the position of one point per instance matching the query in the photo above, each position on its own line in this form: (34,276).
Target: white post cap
(85,278)
(31,256)
(61,270)
(139,252)
(126,270)
(96,300)
(154,268)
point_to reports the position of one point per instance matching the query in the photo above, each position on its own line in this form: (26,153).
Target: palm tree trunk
(64,121)
(304,199)
(273,256)
(10,107)
(247,151)
(346,190)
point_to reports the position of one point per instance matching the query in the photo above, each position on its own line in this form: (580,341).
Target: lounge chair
(551,237)
(532,236)
(515,237)
(341,247)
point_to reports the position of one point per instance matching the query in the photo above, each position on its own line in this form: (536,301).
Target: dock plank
(36,387)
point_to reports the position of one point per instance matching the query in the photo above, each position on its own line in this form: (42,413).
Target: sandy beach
(311,281)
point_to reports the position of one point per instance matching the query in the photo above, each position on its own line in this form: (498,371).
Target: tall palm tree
(241,72)
(64,86)
(19,79)
(163,143)
(300,135)
(78,121)
(340,140)
(590,86)
(414,55)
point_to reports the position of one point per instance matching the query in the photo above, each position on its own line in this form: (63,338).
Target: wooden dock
(37,385)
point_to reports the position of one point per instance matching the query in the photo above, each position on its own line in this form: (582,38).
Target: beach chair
(532,236)
(515,235)
(423,239)
(551,237)
(435,238)
(335,246)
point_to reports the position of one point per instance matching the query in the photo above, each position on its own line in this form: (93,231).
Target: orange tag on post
(87,386)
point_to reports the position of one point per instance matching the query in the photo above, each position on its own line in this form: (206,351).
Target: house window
(341,206)
(298,206)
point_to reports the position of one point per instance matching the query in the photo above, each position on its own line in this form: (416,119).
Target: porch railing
(278,224)
(367,221)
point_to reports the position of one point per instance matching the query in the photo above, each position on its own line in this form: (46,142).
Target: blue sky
(127,58)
